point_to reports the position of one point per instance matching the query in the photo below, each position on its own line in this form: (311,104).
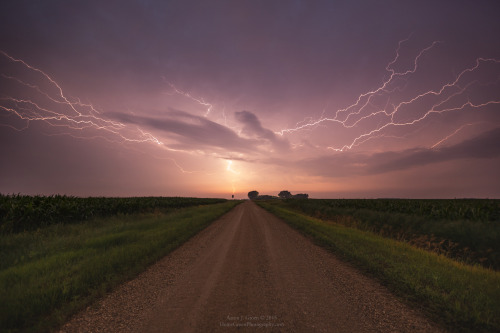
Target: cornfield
(464,229)
(21,212)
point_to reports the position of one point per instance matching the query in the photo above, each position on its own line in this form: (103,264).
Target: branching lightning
(390,105)
(200,101)
(49,104)
(58,110)
(356,113)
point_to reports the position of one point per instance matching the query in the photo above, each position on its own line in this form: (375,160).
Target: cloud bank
(185,131)
(483,146)
(253,128)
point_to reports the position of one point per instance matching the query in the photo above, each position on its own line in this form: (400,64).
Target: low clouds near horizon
(252,127)
(186,131)
(345,164)
(249,94)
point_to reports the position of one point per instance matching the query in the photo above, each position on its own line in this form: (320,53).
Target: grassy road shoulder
(464,298)
(49,274)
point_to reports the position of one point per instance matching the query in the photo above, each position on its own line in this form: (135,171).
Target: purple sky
(210,98)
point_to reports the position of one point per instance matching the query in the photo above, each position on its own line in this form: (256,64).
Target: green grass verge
(462,297)
(467,230)
(49,274)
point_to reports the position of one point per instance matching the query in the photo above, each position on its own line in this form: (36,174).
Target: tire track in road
(249,270)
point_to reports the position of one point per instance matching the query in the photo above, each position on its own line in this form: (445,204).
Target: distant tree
(266,197)
(301,196)
(285,195)
(253,194)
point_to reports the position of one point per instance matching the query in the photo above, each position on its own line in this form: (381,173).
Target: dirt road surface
(249,271)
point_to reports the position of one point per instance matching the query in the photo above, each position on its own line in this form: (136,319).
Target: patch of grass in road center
(463,297)
(48,274)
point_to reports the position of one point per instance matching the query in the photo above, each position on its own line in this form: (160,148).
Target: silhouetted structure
(266,197)
(285,195)
(253,195)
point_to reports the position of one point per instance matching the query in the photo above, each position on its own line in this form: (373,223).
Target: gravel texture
(250,271)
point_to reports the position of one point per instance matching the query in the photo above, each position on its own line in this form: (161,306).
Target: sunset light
(124,105)
(254,165)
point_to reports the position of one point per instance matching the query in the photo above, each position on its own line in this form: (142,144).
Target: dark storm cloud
(253,128)
(485,145)
(289,62)
(348,164)
(190,131)
(283,53)
(337,165)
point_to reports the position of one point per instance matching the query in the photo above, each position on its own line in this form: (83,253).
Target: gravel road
(250,271)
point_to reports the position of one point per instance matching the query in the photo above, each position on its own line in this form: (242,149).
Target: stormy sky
(213,98)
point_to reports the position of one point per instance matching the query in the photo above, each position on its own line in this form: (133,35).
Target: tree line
(254,195)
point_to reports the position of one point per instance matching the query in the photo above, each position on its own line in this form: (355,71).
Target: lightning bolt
(200,101)
(75,114)
(50,105)
(452,134)
(355,113)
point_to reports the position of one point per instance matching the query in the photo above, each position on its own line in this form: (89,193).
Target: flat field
(24,212)
(467,230)
(51,268)
(464,296)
